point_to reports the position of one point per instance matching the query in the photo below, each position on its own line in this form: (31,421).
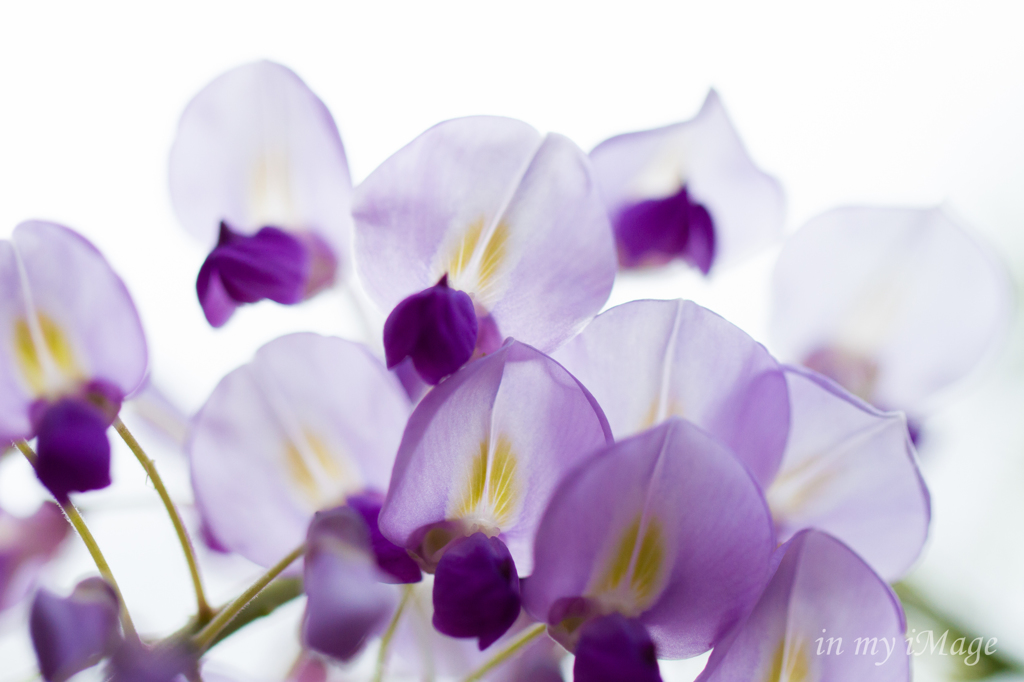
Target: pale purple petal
(256,147)
(26,544)
(907,293)
(705,155)
(310,421)
(497,207)
(515,420)
(821,593)
(850,470)
(645,361)
(73,633)
(680,499)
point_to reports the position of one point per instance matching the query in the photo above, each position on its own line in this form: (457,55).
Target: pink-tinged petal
(308,422)
(850,470)
(73,633)
(65,319)
(26,544)
(906,295)
(497,207)
(255,148)
(645,361)
(486,447)
(666,527)
(706,156)
(825,615)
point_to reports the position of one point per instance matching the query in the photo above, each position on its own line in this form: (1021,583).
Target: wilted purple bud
(476,590)
(436,328)
(614,648)
(347,601)
(25,545)
(73,633)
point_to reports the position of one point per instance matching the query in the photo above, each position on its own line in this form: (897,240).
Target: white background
(900,103)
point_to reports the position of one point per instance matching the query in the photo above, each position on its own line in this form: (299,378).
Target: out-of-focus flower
(479,460)
(74,633)
(71,349)
(646,361)
(484,215)
(893,304)
(689,191)
(824,616)
(347,602)
(258,171)
(311,421)
(169,661)
(25,545)
(666,529)
(850,470)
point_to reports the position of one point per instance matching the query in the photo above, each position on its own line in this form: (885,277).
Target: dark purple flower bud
(134,662)
(347,602)
(71,634)
(272,264)
(394,561)
(615,648)
(437,328)
(655,231)
(476,590)
(74,453)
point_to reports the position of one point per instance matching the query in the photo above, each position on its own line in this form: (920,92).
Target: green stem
(208,635)
(204,612)
(385,641)
(524,638)
(78,523)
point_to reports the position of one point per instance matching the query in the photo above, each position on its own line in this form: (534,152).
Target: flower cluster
(518,475)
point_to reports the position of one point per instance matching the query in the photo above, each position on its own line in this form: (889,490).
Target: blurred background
(880,102)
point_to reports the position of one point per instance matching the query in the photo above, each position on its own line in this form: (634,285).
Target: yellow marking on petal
(789,664)
(502,490)
(475,260)
(795,488)
(621,559)
(493,256)
(463,251)
(474,491)
(493,477)
(322,477)
(57,348)
(649,560)
(632,578)
(655,415)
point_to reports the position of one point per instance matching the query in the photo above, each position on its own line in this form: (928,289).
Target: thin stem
(202,606)
(76,520)
(524,638)
(208,634)
(385,641)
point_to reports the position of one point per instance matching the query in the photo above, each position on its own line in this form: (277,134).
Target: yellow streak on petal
(789,664)
(633,575)
(462,253)
(649,560)
(621,559)
(300,472)
(57,347)
(492,477)
(474,491)
(321,477)
(796,488)
(493,255)
(502,489)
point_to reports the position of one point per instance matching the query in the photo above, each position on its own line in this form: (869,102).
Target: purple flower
(646,361)
(75,348)
(850,470)
(258,168)
(26,544)
(500,213)
(894,304)
(824,616)
(311,421)
(666,529)
(347,601)
(169,661)
(478,462)
(73,633)
(688,191)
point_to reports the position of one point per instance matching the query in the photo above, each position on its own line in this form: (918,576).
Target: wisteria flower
(258,171)
(481,229)
(478,462)
(310,422)
(894,304)
(655,545)
(71,349)
(688,191)
(73,633)
(824,616)
(646,361)
(26,544)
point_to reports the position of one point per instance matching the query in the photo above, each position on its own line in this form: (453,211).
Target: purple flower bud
(74,453)
(654,231)
(393,560)
(71,634)
(134,662)
(436,327)
(614,648)
(26,544)
(476,590)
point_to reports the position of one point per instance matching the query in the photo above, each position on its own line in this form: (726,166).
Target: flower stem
(524,638)
(78,523)
(385,641)
(204,612)
(205,637)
